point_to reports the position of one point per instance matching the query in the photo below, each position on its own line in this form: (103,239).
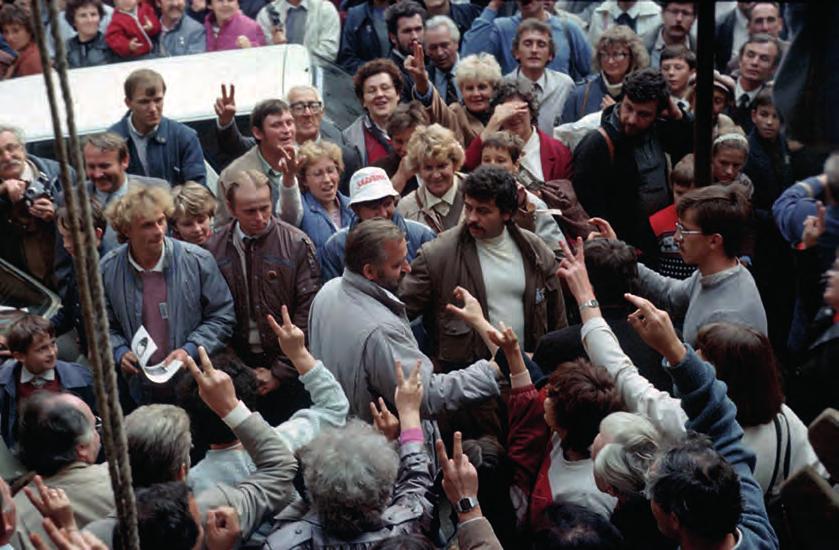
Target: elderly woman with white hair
(476,76)
(361,490)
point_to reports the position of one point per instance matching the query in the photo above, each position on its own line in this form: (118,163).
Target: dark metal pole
(704,93)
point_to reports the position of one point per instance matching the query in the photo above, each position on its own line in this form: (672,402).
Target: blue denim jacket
(317,223)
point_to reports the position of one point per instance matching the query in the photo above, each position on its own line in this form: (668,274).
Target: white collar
(432,200)
(158,267)
(615,11)
(739,91)
(136,132)
(29,173)
(542,82)
(659,42)
(26,376)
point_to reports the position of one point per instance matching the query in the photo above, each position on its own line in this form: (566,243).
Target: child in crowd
(195,208)
(678,65)
(228,28)
(728,156)
(663,222)
(768,166)
(35,367)
(132,29)
(16,27)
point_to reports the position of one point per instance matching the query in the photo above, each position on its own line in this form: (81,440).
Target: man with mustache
(677,19)
(27,222)
(509,270)
(179,35)
(268,264)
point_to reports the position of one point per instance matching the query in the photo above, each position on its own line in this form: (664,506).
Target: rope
(91,293)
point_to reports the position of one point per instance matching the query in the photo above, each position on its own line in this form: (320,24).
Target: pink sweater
(239,25)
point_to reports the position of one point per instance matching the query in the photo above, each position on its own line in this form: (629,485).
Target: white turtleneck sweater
(502,268)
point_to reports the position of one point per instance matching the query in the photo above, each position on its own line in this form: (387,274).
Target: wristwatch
(466,504)
(593,303)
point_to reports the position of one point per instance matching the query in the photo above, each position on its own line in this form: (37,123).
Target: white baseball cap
(370,184)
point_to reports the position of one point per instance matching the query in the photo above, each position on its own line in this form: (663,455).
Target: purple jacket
(239,25)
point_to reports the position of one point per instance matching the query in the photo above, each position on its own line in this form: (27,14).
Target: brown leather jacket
(451,260)
(283,271)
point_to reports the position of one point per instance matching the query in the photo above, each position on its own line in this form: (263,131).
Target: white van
(193,83)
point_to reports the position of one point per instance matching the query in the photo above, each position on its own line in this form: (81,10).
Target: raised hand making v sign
(415,66)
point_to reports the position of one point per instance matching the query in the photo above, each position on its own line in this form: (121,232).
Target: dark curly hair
(403,8)
(372,68)
(492,183)
(647,85)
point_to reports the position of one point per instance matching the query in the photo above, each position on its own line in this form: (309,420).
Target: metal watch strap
(590,304)
(466,504)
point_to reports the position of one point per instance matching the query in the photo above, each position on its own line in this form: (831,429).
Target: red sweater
(555,157)
(124,26)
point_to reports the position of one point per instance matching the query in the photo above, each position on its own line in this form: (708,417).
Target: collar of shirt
(26,376)
(615,11)
(285,5)
(541,85)
(739,91)
(105,198)
(659,42)
(440,74)
(157,267)
(532,154)
(30,173)
(269,171)
(136,133)
(368,123)
(431,200)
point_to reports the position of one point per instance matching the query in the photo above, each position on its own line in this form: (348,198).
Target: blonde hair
(253,177)
(730,137)
(311,152)
(433,142)
(621,35)
(193,199)
(140,201)
(481,67)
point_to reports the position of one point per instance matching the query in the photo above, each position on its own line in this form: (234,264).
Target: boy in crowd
(663,222)
(35,367)
(195,208)
(678,65)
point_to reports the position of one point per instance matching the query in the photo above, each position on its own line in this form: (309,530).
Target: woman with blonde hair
(320,209)
(477,77)
(435,156)
(619,52)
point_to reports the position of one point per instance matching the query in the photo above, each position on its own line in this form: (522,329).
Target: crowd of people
(498,310)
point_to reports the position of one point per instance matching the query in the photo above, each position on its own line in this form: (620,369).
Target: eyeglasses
(681,230)
(328,171)
(299,107)
(619,56)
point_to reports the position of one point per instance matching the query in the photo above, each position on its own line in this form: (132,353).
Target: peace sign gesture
(214,386)
(415,66)
(293,342)
(225,106)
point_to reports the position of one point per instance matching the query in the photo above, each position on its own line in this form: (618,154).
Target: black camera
(38,189)
(275,16)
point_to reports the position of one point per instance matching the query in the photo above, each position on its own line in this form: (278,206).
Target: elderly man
(171,288)
(442,38)
(371,196)
(461,14)
(492,34)
(28,185)
(361,352)
(159,147)
(509,270)
(312,23)
(268,265)
(179,35)
(58,438)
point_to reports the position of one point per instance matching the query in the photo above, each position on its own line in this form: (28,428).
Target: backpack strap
(773,479)
(788,451)
(609,143)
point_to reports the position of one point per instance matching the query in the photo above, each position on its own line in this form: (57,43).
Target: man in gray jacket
(179,35)
(172,288)
(358,328)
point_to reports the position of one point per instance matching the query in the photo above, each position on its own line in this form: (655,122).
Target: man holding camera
(28,185)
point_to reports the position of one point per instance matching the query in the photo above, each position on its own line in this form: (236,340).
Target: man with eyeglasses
(676,21)
(713,222)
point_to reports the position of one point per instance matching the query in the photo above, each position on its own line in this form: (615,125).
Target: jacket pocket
(455,339)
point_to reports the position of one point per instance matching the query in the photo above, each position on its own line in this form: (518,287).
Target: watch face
(465,504)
